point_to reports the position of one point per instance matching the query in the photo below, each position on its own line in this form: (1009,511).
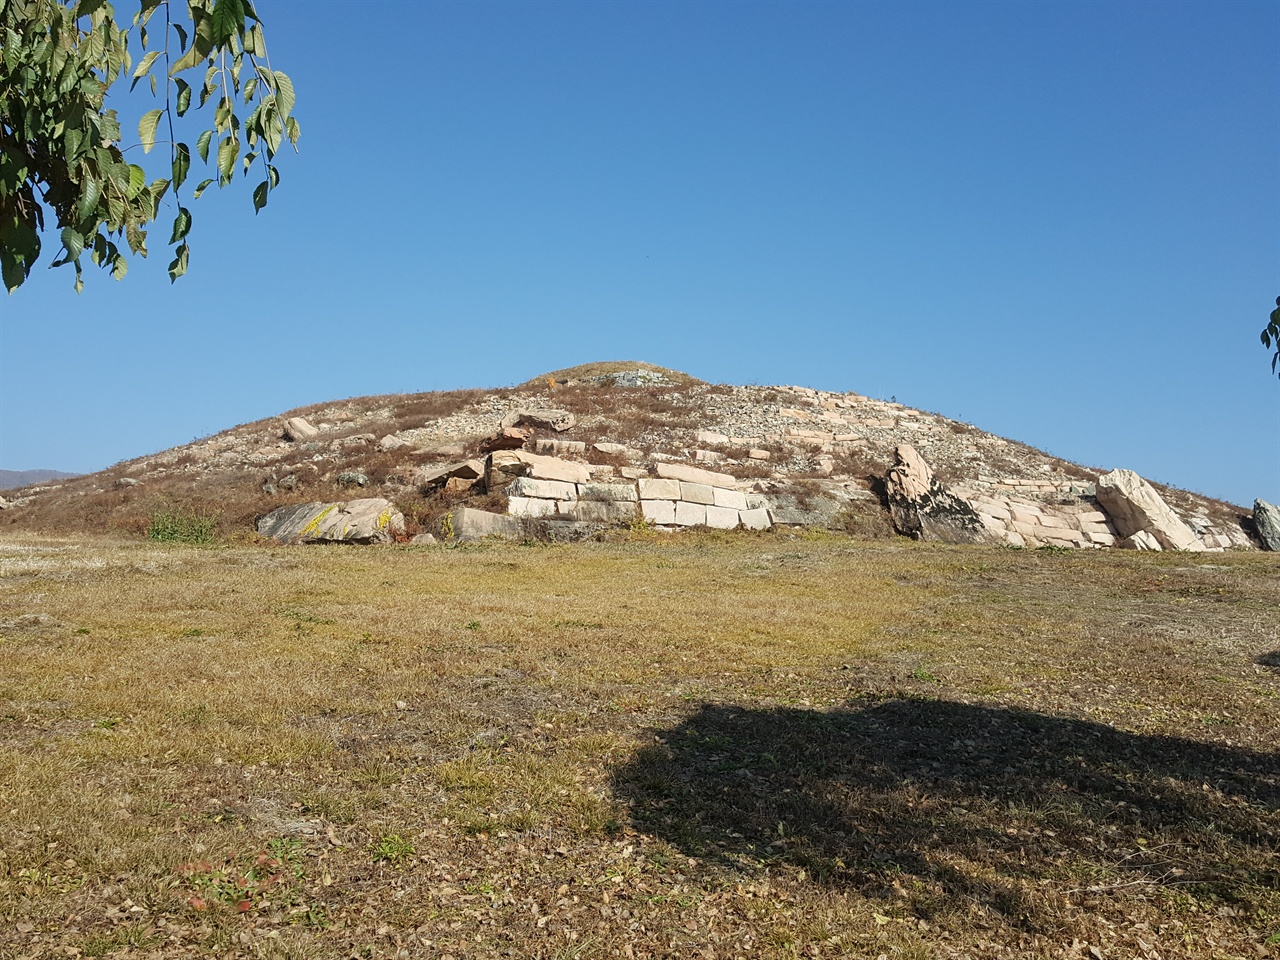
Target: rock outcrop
(557,420)
(925,510)
(1134,506)
(1266,517)
(369,520)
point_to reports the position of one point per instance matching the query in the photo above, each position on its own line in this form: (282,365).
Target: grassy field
(685,746)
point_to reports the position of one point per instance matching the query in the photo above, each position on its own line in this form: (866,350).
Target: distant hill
(12,479)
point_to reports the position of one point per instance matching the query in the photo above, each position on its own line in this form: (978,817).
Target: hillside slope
(819,457)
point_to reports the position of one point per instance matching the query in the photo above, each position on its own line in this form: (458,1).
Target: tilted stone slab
(614,492)
(732,499)
(1142,540)
(757,519)
(532,506)
(368,520)
(722,518)
(691,514)
(552,468)
(697,492)
(678,471)
(659,489)
(546,489)
(1134,506)
(298,429)
(658,511)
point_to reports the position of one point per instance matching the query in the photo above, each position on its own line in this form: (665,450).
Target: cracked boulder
(1134,507)
(923,509)
(1266,517)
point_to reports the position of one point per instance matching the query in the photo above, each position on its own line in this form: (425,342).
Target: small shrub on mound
(182,524)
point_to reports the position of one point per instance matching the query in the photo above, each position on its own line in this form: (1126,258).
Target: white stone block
(599,511)
(710,437)
(531,507)
(707,456)
(691,514)
(659,511)
(755,454)
(545,489)
(732,499)
(651,489)
(612,449)
(697,492)
(722,518)
(757,519)
(615,492)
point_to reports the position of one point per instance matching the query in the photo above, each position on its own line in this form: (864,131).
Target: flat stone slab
(557,420)
(545,489)
(367,520)
(466,470)
(679,471)
(757,519)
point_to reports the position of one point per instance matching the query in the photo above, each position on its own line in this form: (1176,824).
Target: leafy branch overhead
(61,148)
(1271,335)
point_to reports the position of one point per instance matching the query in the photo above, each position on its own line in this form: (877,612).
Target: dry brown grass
(756,746)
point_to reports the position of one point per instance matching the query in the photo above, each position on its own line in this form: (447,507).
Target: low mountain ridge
(13,479)
(819,457)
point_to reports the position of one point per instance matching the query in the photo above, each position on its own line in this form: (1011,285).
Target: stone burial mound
(572,453)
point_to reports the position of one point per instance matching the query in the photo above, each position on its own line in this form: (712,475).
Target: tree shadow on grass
(1271,659)
(946,805)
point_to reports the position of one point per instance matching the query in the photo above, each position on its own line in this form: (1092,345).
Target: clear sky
(1057,221)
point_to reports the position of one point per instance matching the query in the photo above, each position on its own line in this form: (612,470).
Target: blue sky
(1059,222)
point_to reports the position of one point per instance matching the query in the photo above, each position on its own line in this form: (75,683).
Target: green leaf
(119,266)
(184,96)
(73,242)
(137,180)
(181,225)
(201,188)
(147,129)
(179,265)
(294,131)
(90,192)
(284,93)
(228,21)
(181,164)
(202,145)
(260,196)
(227,151)
(182,37)
(144,65)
